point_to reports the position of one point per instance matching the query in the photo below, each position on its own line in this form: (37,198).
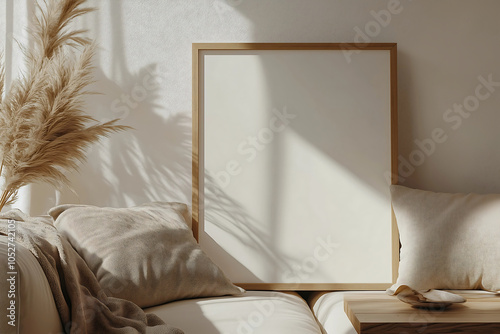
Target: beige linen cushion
(448,241)
(146,254)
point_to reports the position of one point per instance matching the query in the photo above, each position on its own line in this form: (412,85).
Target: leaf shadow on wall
(151,162)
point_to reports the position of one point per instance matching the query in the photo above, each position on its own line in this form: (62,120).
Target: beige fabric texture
(35,311)
(146,254)
(448,241)
(82,305)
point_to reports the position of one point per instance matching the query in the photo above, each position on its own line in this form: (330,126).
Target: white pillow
(448,241)
(146,254)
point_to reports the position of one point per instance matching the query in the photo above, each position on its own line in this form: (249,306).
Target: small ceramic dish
(428,299)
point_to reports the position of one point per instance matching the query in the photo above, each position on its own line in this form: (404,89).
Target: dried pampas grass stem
(44,130)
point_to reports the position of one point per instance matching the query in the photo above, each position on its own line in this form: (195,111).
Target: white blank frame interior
(294,152)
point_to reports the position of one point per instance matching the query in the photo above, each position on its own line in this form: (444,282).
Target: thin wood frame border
(392,47)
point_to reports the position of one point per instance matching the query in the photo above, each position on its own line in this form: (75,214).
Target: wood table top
(380,313)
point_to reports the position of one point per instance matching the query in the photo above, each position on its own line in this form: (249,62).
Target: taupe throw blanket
(82,305)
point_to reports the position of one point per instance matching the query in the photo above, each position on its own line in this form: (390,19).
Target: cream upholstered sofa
(273,311)
(253,312)
(264,312)
(37,313)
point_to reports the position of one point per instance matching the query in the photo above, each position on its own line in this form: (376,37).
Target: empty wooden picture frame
(294,149)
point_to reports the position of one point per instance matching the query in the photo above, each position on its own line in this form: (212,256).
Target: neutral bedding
(254,312)
(77,294)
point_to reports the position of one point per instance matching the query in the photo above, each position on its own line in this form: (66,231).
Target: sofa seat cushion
(254,312)
(328,307)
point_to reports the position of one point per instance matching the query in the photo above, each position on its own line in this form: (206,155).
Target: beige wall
(447,48)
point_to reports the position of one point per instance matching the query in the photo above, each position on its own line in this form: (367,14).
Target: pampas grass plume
(44,130)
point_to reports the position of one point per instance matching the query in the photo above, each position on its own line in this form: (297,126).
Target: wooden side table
(386,314)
